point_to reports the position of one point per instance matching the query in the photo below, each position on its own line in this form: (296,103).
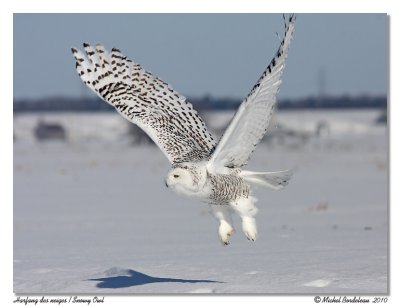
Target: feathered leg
(246,209)
(223,214)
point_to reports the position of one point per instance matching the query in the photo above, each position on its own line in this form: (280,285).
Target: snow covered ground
(92,215)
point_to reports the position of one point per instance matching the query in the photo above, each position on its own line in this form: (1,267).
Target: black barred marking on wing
(278,54)
(147,101)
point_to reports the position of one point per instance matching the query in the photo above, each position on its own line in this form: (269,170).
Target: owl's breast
(224,189)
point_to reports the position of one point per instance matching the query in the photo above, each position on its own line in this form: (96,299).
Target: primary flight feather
(201,167)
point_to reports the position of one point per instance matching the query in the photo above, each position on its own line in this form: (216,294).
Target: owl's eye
(176,175)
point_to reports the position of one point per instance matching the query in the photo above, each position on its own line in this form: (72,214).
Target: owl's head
(184,179)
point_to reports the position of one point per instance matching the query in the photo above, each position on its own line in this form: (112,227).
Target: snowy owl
(202,168)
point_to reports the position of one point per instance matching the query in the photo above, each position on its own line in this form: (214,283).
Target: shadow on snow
(134,278)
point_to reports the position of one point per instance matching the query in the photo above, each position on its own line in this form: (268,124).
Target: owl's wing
(147,101)
(251,120)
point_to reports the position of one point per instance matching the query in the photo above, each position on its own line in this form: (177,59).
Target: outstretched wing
(147,101)
(251,121)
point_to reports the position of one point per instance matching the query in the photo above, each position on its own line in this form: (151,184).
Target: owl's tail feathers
(274,180)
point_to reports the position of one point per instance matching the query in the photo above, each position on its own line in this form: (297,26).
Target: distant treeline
(206,103)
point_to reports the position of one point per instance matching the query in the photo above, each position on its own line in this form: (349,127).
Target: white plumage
(201,168)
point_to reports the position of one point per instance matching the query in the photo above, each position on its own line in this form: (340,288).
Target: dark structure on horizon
(49,131)
(206,103)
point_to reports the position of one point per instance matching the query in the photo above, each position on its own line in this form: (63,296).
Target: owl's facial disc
(180,180)
(176,176)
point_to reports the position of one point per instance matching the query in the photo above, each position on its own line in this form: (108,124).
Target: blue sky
(217,54)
